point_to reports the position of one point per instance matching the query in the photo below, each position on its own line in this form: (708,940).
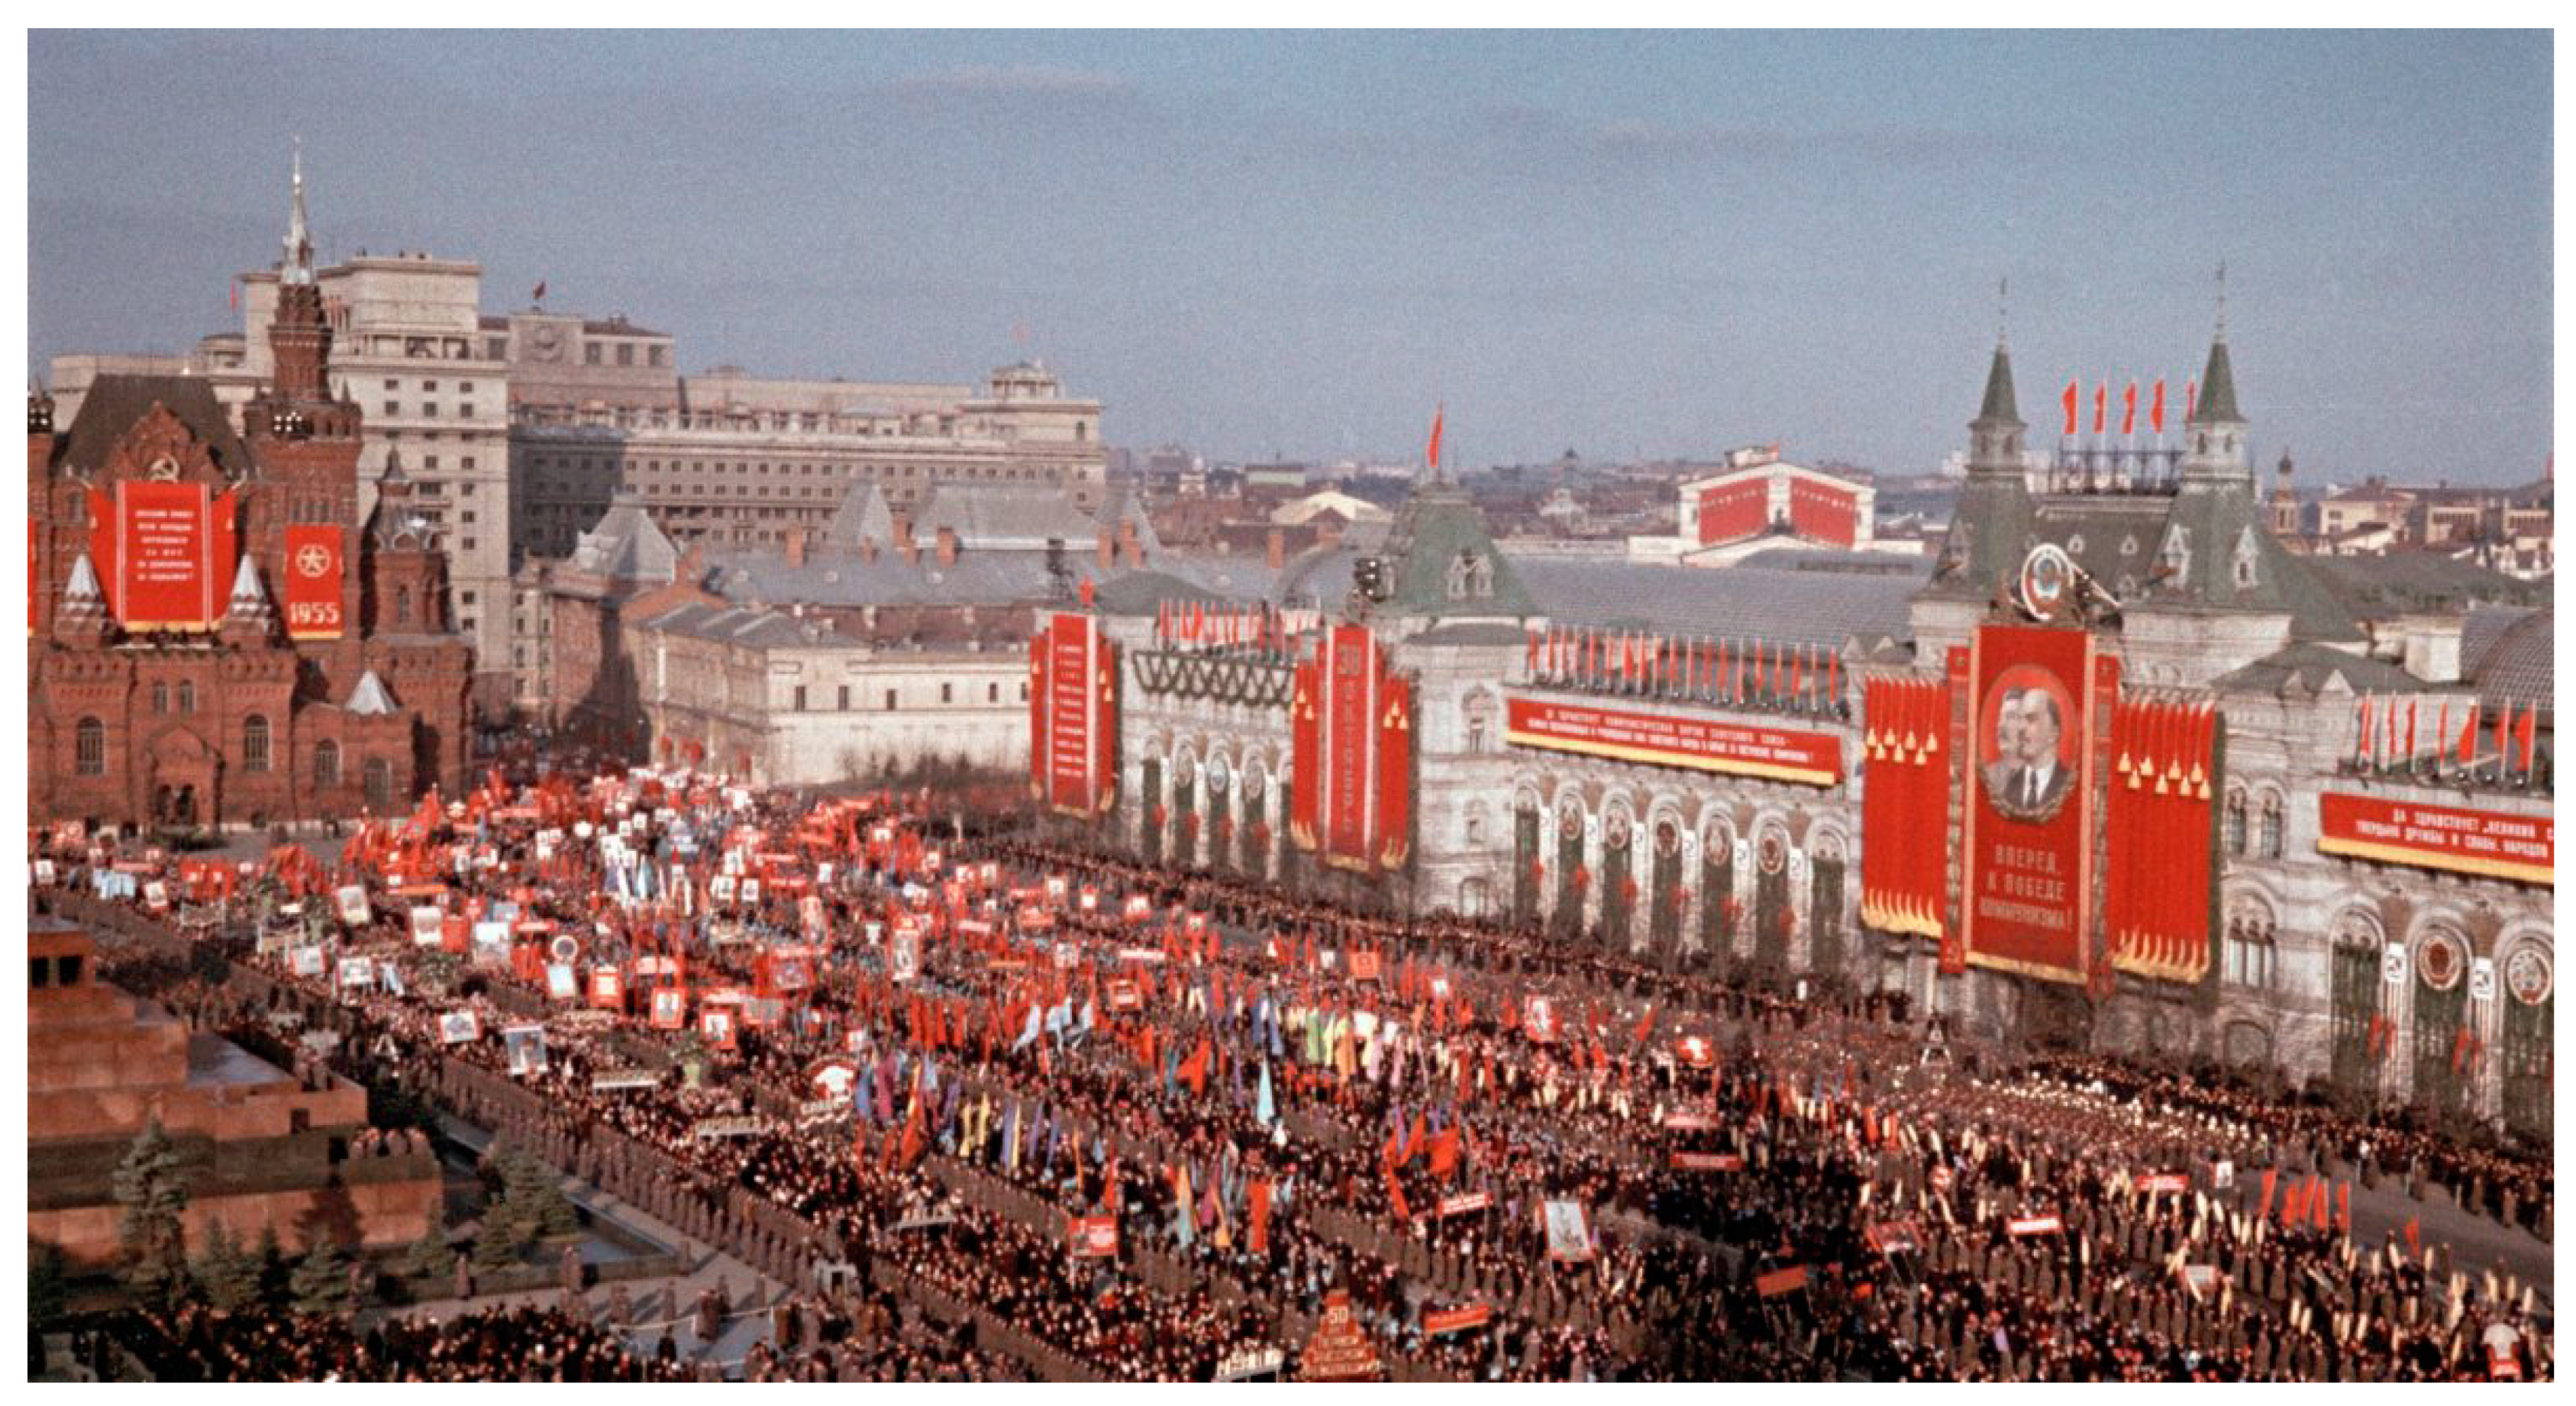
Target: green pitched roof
(2217,388)
(1437,527)
(1999,390)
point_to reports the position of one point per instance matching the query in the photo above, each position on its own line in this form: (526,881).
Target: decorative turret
(299,402)
(371,698)
(82,615)
(1991,527)
(2216,447)
(250,617)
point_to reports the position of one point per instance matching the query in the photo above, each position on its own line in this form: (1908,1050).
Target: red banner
(1306,753)
(2034,1225)
(164,549)
(1462,1204)
(2029,814)
(1823,512)
(315,569)
(1350,719)
(1708,1161)
(1905,796)
(1454,1320)
(2162,840)
(1728,511)
(2162,1182)
(1394,772)
(2496,844)
(1663,739)
(1072,691)
(1093,1237)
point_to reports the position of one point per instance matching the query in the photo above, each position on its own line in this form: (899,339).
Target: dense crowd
(1518,1159)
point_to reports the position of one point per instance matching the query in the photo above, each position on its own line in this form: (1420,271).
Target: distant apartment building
(730,459)
(2509,529)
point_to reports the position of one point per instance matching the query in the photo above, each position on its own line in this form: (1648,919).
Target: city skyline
(1626,245)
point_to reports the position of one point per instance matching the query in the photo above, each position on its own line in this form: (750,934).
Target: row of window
(947,694)
(2271,825)
(429,410)
(462,387)
(89,753)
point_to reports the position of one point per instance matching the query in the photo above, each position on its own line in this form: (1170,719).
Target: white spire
(249,596)
(370,698)
(83,585)
(298,265)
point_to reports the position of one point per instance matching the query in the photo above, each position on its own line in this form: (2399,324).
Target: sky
(1297,245)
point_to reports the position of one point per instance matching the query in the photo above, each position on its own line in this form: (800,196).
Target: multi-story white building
(730,459)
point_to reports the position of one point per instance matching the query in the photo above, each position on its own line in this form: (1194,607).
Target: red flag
(2156,411)
(1437,416)
(2469,736)
(2343,1207)
(2504,734)
(2529,734)
(2101,405)
(1257,1233)
(2266,1208)
(2415,1235)
(2361,751)
(2129,410)
(2068,400)
(1395,1196)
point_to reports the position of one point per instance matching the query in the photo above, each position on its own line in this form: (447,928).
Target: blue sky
(1296,244)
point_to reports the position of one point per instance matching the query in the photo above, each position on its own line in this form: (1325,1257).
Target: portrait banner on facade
(2029,831)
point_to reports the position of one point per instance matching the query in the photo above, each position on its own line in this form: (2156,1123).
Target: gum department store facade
(2393,980)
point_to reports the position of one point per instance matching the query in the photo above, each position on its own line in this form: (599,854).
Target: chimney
(1278,549)
(903,546)
(948,546)
(868,550)
(1108,549)
(796,546)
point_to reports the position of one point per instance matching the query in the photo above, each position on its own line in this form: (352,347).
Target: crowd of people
(1157,1124)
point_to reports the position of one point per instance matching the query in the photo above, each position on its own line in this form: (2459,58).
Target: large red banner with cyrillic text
(1072,689)
(1728,511)
(1350,721)
(2496,844)
(2030,801)
(314,572)
(1665,739)
(169,549)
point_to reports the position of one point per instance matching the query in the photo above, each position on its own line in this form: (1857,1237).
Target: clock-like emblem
(2527,975)
(2047,581)
(163,470)
(313,559)
(1774,852)
(2441,961)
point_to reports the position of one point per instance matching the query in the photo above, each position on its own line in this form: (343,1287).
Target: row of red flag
(2071,400)
(2390,733)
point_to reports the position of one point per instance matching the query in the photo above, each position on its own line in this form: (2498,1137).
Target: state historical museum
(213,637)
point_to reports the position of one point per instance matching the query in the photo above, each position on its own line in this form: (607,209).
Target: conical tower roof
(1999,408)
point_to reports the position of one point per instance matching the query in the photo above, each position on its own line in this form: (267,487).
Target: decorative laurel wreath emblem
(2047,577)
(313,560)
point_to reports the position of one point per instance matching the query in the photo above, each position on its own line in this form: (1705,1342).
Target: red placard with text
(166,576)
(2496,844)
(315,564)
(1350,689)
(2030,801)
(1663,739)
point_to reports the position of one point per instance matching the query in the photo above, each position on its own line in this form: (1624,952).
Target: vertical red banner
(2163,842)
(1350,730)
(2030,800)
(1072,645)
(1104,721)
(315,567)
(1041,745)
(1306,752)
(1395,772)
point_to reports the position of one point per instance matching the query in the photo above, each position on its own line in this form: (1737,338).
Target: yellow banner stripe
(1767,770)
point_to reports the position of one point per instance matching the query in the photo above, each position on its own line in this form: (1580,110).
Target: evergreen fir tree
(320,1284)
(429,1255)
(152,1231)
(272,1267)
(227,1274)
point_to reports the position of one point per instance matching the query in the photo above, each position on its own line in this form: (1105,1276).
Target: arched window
(89,747)
(326,764)
(2249,954)
(379,777)
(255,743)
(2272,827)
(402,605)
(2236,822)
(187,696)
(160,697)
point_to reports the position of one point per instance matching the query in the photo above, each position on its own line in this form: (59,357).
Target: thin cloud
(1018,80)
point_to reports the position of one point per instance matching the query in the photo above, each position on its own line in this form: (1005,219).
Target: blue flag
(1265,1111)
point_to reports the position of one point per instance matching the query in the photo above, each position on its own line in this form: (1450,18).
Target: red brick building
(214,638)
